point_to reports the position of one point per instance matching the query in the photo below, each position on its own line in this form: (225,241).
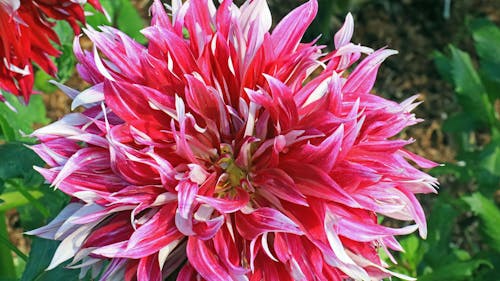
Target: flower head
(214,151)
(25,37)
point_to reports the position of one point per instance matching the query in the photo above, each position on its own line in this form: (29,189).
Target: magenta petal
(361,80)
(363,232)
(149,269)
(289,31)
(207,103)
(155,234)
(172,45)
(159,16)
(227,205)
(344,35)
(417,212)
(206,230)
(203,259)
(84,157)
(227,253)
(264,220)
(420,161)
(325,154)
(280,184)
(187,273)
(312,181)
(130,101)
(187,192)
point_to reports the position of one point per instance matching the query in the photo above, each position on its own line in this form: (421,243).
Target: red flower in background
(26,37)
(213,151)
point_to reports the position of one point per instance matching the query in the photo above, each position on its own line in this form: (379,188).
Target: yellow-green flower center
(232,174)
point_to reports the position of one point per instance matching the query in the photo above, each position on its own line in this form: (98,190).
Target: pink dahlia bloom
(213,151)
(25,37)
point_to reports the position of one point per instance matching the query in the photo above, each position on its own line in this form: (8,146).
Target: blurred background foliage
(449,53)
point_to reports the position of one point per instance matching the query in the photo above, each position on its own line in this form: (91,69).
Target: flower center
(232,175)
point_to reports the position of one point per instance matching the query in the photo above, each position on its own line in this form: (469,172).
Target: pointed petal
(149,269)
(264,220)
(344,35)
(156,233)
(361,80)
(204,260)
(227,205)
(288,32)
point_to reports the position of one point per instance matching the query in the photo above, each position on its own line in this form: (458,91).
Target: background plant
(464,236)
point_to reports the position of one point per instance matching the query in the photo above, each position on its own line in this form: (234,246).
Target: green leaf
(96,18)
(443,66)
(42,251)
(490,157)
(17,162)
(53,200)
(65,64)
(470,91)
(26,117)
(460,123)
(488,168)
(457,271)
(27,193)
(492,273)
(42,82)
(123,15)
(64,32)
(413,253)
(6,131)
(487,39)
(6,242)
(441,222)
(489,214)
(128,20)
(409,260)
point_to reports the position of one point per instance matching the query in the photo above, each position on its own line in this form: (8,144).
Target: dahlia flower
(25,37)
(216,153)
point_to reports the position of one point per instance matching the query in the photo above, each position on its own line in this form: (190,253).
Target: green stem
(15,199)
(31,198)
(13,248)
(7,269)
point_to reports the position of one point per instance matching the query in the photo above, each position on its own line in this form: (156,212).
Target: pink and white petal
(82,158)
(188,273)
(90,97)
(288,32)
(344,35)
(149,269)
(49,231)
(187,192)
(70,245)
(362,79)
(227,205)
(264,220)
(158,232)
(205,262)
